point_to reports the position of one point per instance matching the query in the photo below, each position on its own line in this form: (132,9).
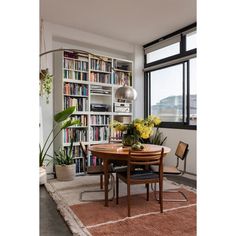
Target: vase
(129,139)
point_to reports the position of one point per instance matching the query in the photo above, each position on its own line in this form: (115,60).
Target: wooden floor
(51,222)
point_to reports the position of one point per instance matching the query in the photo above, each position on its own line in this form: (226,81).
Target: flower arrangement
(138,130)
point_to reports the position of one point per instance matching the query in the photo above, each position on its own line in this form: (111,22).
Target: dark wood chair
(181,154)
(118,165)
(142,176)
(115,139)
(96,170)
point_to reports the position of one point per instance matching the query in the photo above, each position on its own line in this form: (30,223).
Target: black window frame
(184,56)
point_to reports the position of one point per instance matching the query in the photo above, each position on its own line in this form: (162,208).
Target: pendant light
(125,93)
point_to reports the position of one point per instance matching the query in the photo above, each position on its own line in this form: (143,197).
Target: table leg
(105,169)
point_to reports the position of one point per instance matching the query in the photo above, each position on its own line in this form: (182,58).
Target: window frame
(184,58)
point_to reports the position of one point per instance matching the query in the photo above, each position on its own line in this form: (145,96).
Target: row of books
(116,134)
(76,134)
(76,75)
(99,133)
(122,78)
(81,104)
(75,65)
(94,161)
(99,120)
(75,89)
(82,118)
(76,151)
(100,77)
(79,165)
(100,65)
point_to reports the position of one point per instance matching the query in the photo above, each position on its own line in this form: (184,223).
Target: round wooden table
(114,151)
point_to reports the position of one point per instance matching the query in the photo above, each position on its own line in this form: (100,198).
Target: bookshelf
(87,82)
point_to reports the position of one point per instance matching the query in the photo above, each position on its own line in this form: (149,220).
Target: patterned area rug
(92,218)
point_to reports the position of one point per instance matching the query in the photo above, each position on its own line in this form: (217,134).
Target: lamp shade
(126,93)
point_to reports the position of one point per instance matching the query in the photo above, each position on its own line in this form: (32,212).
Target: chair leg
(161,196)
(101,181)
(117,189)
(112,188)
(147,186)
(185,199)
(128,198)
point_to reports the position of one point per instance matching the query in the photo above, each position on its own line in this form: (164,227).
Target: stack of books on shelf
(98,89)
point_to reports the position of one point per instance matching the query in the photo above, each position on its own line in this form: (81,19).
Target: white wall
(138,82)
(57,36)
(173,138)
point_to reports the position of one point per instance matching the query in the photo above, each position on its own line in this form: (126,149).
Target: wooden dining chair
(96,170)
(142,176)
(115,139)
(117,165)
(181,154)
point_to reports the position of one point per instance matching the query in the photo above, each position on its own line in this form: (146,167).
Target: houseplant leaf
(69,123)
(63,115)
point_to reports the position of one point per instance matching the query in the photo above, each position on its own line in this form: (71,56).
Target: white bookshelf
(98,79)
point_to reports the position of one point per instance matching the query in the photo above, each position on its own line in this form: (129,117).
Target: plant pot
(42,175)
(65,172)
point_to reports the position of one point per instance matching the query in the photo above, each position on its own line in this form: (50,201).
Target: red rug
(179,218)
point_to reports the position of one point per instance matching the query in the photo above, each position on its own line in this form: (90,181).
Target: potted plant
(158,138)
(64,164)
(62,121)
(45,80)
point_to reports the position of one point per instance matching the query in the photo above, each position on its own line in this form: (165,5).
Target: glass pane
(166,93)
(193,92)
(161,53)
(191,40)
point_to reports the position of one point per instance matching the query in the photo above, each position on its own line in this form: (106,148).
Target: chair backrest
(181,150)
(84,150)
(145,158)
(114,139)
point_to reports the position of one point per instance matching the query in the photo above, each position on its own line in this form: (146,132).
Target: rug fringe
(75,225)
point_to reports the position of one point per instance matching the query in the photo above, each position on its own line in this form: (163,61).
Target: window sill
(174,125)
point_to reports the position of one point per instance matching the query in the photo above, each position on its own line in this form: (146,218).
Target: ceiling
(133,21)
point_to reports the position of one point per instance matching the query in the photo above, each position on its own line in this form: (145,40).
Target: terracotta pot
(65,172)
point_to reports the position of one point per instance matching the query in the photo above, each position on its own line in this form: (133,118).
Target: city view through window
(167,93)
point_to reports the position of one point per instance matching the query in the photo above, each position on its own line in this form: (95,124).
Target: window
(191,40)
(166,91)
(163,52)
(170,80)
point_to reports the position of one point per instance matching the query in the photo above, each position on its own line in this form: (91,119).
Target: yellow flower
(118,126)
(140,127)
(153,120)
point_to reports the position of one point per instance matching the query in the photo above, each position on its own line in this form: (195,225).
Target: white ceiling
(133,21)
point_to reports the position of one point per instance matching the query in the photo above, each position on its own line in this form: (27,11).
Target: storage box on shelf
(89,83)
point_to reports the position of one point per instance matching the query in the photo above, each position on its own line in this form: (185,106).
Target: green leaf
(71,148)
(75,122)
(68,123)
(63,115)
